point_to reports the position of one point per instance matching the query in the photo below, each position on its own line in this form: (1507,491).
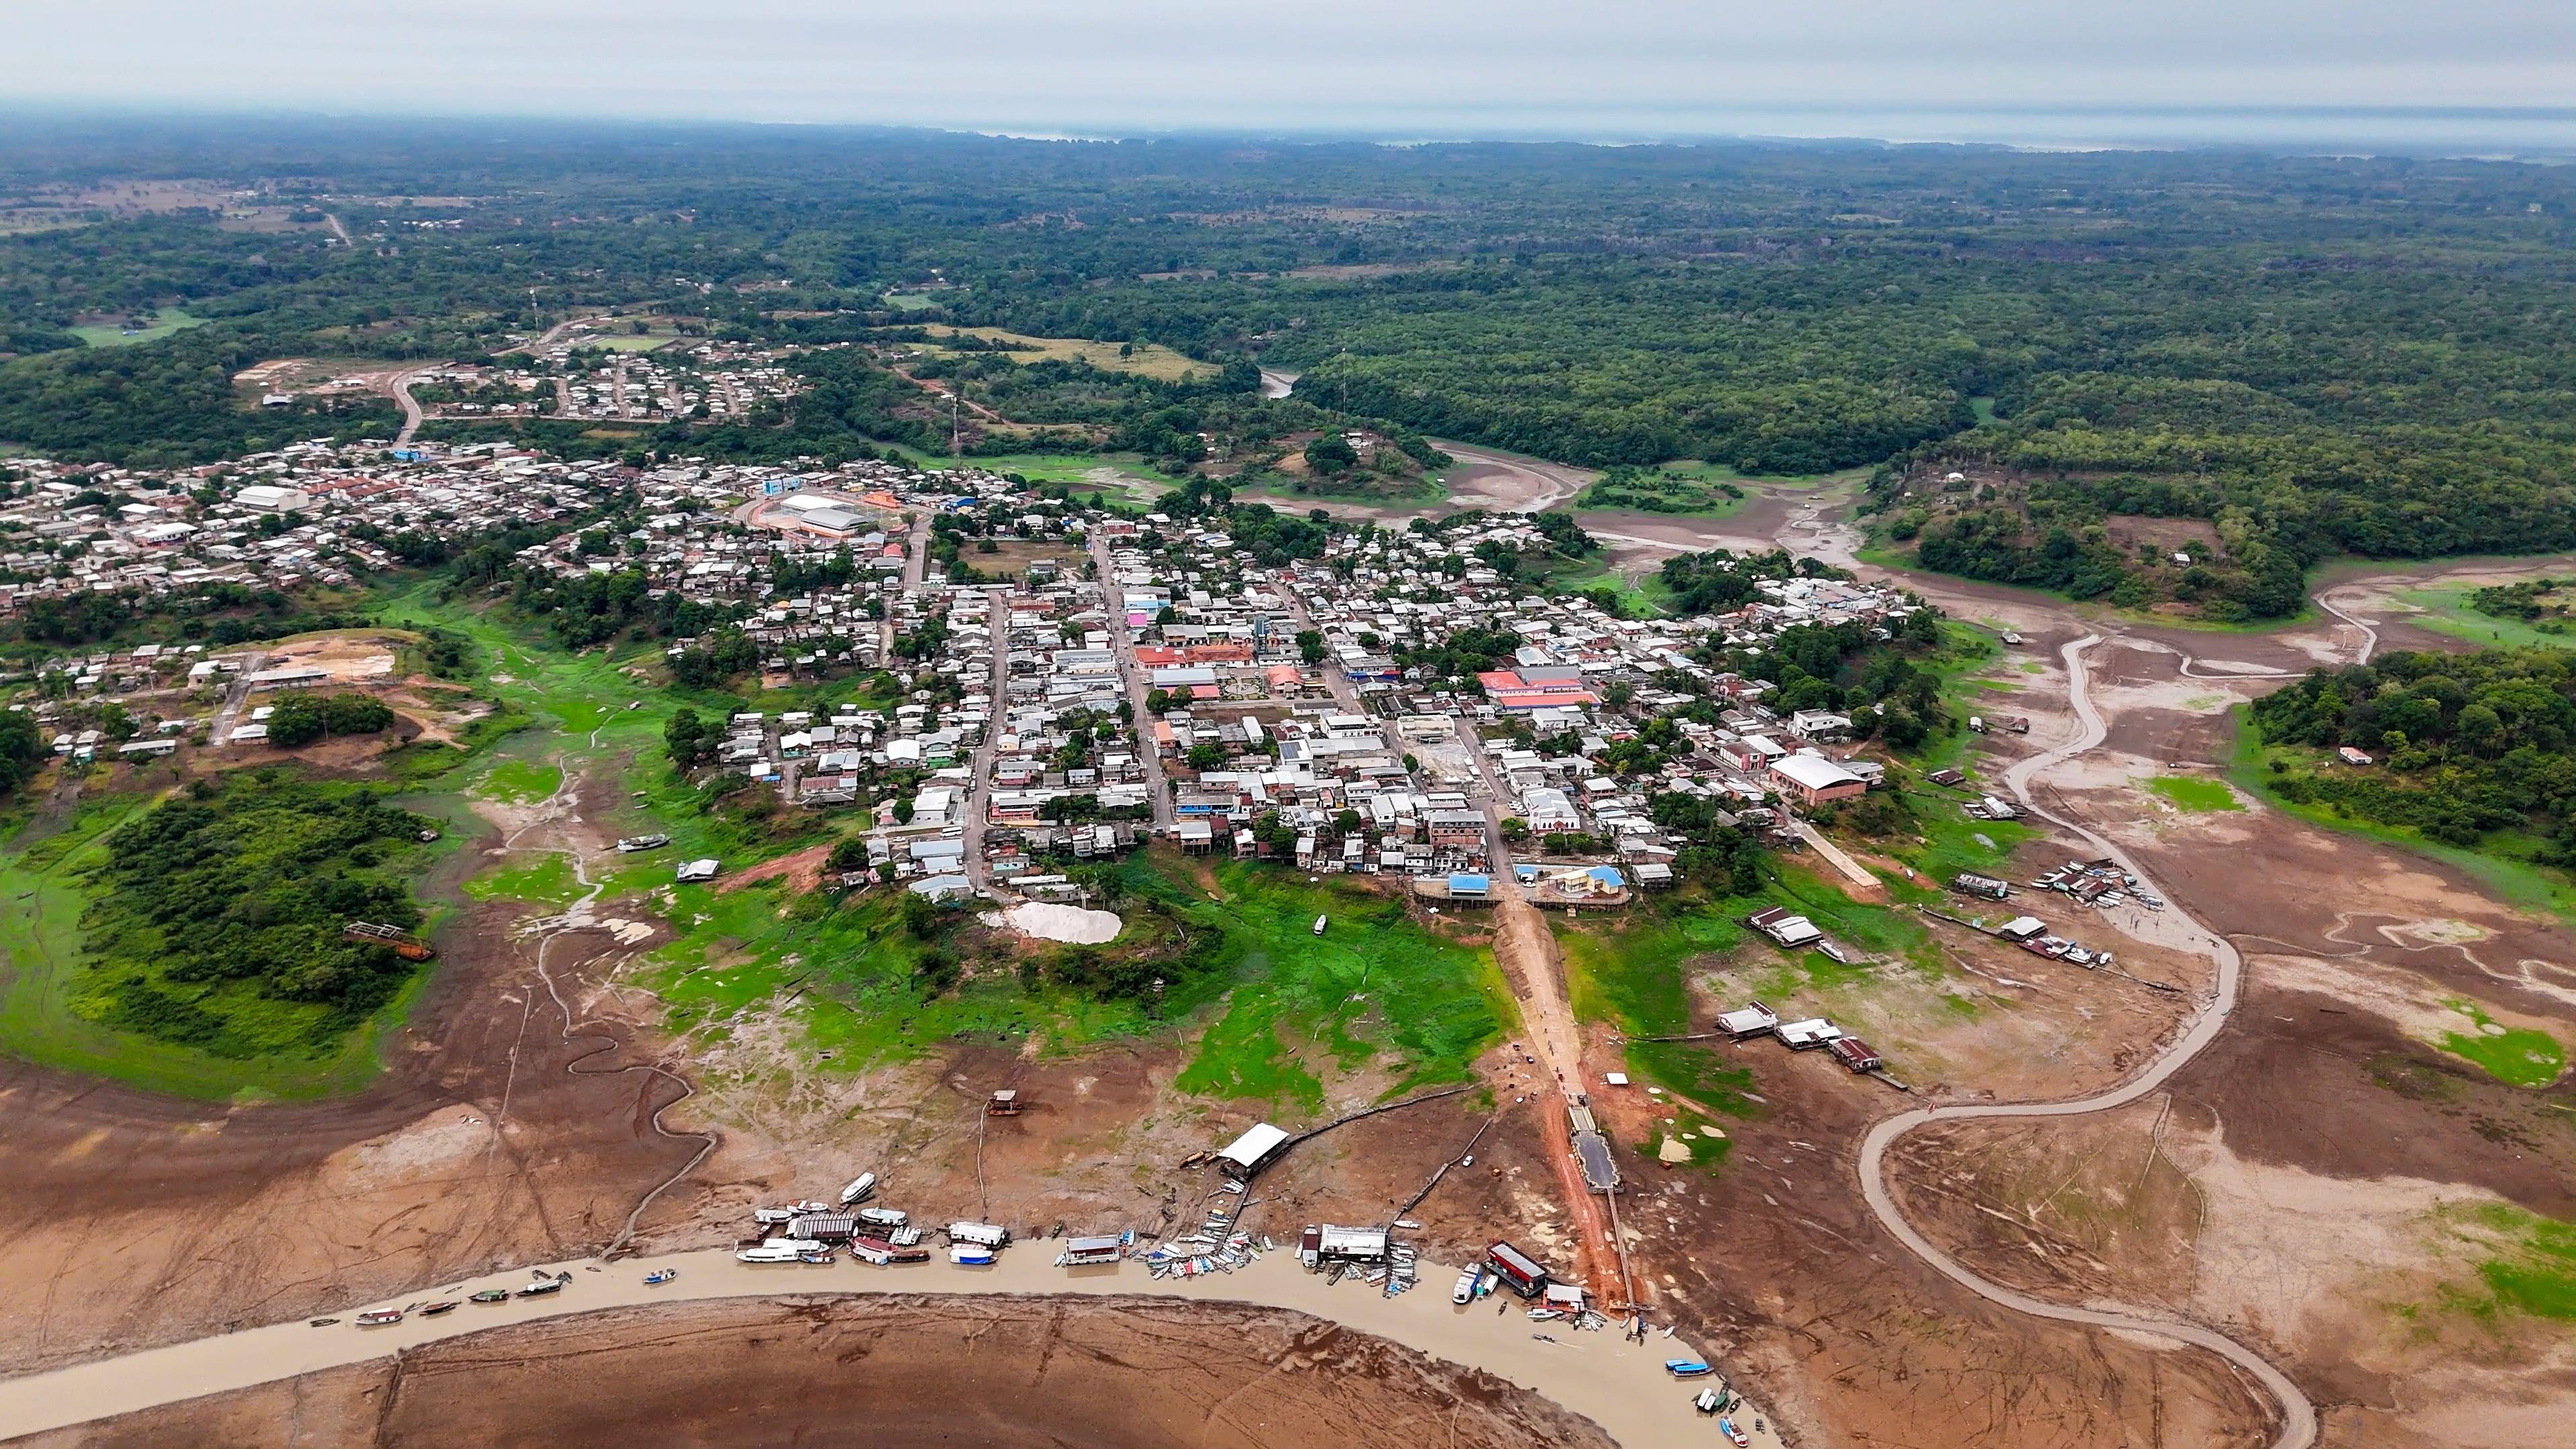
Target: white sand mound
(1071,924)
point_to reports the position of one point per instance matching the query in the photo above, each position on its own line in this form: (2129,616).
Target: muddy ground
(2321,1181)
(1116,1374)
(128,1219)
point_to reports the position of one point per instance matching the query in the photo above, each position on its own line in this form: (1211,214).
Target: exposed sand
(1618,1385)
(1070,924)
(1104,1373)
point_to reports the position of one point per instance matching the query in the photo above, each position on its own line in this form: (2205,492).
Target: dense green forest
(2309,355)
(216,918)
(2464,746)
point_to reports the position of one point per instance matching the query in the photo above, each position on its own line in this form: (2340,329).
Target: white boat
(1466,1289)
(779,1250)
(883,1217)
(860,1186)
(970,1255)
(1319,925)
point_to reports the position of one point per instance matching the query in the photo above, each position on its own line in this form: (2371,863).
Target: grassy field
(520,782)
(2447,611)
(2526,1263)
(1148,359)
(2522,1058)
(163,323)
(2517,882)
(41,938)
(1111,473)
(2195,793)
(909,301)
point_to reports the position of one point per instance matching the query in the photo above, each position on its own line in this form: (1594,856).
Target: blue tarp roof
(1464,882)
(1608,875)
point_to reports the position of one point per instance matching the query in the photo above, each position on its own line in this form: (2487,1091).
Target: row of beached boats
(538,1286)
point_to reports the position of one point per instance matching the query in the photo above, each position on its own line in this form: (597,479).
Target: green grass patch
(548,880)
(1376,986)
(164,322)
(520,782)
(2195,793)
(1694,489)
(2526,1262)
(2447,611)
(2520,1057)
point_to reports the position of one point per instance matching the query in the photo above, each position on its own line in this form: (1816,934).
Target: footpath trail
(2298,1415)
(1619,1385)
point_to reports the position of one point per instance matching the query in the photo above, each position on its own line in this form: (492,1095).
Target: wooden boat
(491,1295)
(379,1317)
(1687,1368)
(660,1276)
(542,1287)
(321,1322)
(432,1310)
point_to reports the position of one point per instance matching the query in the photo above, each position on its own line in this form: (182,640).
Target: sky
(2062,70)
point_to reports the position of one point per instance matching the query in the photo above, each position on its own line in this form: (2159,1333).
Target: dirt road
(2298,1424)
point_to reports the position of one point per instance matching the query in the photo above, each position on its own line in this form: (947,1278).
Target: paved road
(1124,641)
(979,802)
(236,694)
(399,386)
(2298,1416)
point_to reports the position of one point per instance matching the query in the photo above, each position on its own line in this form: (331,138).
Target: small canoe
(660,1277)
(492,1295)
(432,1310)
(322,1322)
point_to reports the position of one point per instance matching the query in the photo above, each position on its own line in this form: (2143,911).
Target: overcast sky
(1383,67)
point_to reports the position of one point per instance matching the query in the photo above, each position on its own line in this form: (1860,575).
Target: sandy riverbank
(1617,1385)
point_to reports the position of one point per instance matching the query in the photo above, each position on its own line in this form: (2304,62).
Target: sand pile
(1070,924)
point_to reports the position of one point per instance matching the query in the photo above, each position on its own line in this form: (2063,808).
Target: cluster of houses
(309,515)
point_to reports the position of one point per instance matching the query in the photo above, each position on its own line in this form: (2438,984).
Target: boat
(1319,925)
(819,1257)
(542,1287)
(1733,1434)
(970,1255)
(1466,1289)
(1545,1315)
(379,1317)
(1709,1401)
(769,1253)
(883,1217)
(660,1276)
(432,1310)
(860,1186)
(321,1322)
(491,1295)
(1687,1368)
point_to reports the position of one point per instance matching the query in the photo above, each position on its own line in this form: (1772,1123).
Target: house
(1256,1149)
(1815,779)
(1457,830)
(2351,756)
(1791,931)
